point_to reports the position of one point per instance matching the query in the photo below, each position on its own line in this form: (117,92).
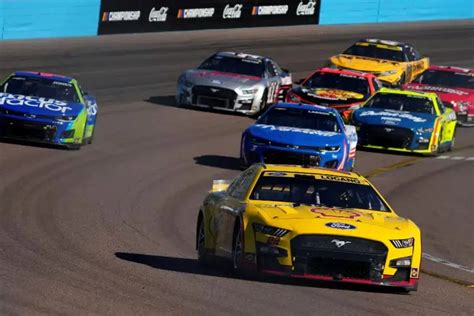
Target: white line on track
(457,158)
(447,263)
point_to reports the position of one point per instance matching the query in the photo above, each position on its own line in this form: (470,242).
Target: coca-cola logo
(306,8)
(158,15)
(232,12)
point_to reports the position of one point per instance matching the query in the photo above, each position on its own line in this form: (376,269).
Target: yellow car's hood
(311,219)
(365,64)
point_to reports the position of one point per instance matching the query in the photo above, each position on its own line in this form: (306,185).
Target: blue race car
(405,121)
(300,134)
(46,108)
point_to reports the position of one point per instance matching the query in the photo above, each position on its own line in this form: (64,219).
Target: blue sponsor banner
(22,19)
(380,11)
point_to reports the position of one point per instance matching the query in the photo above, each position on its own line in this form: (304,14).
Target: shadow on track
(170,101)
(164,100)
(216,161)
(396,153)
(34,144)
(192,266)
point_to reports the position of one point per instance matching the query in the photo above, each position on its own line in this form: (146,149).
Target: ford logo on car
(340,226)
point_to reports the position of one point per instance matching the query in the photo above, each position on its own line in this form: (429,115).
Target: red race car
(343,90)
(454,86)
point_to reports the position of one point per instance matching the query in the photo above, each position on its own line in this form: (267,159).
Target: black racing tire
(263,103)
(242,164)
(74,146)
(451,145)
(203,257)
(237,248)
(179,101)
(439,150)
(91,139)
(84,138)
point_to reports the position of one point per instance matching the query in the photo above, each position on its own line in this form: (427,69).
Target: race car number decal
(451,116)
(272,92)
(91,108)
(21,100)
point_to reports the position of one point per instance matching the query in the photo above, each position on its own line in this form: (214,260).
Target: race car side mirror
(300,81)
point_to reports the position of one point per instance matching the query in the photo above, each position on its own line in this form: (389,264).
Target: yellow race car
(310,223)
(394,63)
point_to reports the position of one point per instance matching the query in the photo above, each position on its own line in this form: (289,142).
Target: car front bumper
(39,131)
(219,98)
(394,139)
(314,257)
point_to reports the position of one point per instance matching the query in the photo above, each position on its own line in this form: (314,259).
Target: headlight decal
(403,243)
(249,91)
(258,141)
(269,230)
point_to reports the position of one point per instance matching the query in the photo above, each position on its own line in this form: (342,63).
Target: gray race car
(234,82)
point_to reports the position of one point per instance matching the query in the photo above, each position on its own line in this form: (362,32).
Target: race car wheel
(440,150)
(451,145)
(238,248)
(203,257)
(73,146)
(84,138)
(264,103)
(243,161)
(179,99)
(89,141)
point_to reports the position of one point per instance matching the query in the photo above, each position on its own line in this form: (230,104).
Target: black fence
(137,16)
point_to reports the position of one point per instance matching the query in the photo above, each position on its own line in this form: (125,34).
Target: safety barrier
(125,16)
(381,11)
(25,19)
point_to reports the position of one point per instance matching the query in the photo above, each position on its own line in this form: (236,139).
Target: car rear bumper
(465,118)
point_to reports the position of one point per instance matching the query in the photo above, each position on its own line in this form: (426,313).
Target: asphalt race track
(110,229)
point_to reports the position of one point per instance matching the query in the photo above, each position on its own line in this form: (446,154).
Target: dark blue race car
(46,108)
(300,134)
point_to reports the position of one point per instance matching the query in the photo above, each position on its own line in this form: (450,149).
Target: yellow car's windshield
(319,190)
(394,53)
